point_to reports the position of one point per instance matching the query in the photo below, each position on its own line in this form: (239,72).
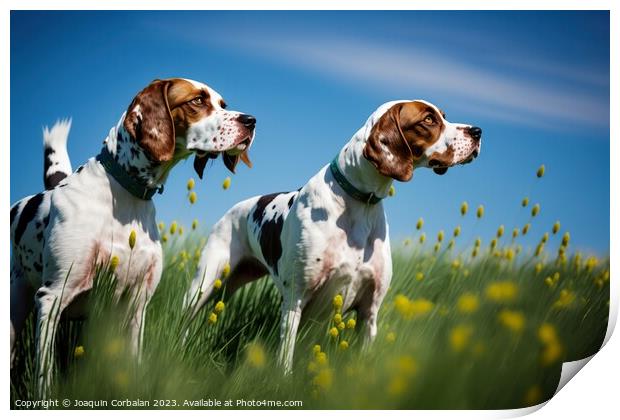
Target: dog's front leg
(291,315)
(49,307)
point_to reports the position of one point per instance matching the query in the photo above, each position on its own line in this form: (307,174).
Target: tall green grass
(488,331)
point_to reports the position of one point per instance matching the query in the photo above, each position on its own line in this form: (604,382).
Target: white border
(593,394)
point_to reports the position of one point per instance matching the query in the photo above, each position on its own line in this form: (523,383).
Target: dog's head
(404,135)
(173,118)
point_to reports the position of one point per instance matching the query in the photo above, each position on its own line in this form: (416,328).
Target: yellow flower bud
(337,318)
(391,191)
(212,318)
(190,184)
(132,239)
(480,211)
(341,326)
(500,231)
(217,284)
(535,210)
(525,202)
(161,226)
(173,227)
(538,268)
(477,242)
(422,238)
(541,171)
(194,224)
(464,208)
(333,331)
(440,236)
(539,249)
(451,244)
(565,239)
(164,238)
(556,227)
(180,230)
(437,247)
(545,238)
(192,197)
(419,276)
(515,233)
(525,229)
(114,262)
(226,183)
(420,223)
(226,270)
(219,307)
(343,345)
(493,243)
(338,302)
(78,352)
(457,231)
(474,252)
(351,323)
(316,349)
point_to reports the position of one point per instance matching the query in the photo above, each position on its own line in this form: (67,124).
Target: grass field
(467,324)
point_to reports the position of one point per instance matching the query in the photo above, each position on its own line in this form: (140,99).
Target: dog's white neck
(134,160)
(358,170)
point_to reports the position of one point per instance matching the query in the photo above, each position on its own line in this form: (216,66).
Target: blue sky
(536,82)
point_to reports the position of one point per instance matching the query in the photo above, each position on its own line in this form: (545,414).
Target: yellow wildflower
(565,239)
(474,252)
(114,261)
(422,238)
(419,276)
(480,211)
(541,171)
(525,229)
(226,183)
(477,242)
(538,268)
(217,284)
(180,230)
(539,249)
(500,231)
(544,238)
(164,238)
(194,224)
(457,231)
(337,302)
(515,233)
(324,379)
(321,358)
(132,238)
(78,352)
(351,323)
(513,320)
(456,264)
(173,227)
(341,326)
(451,244)
(420,223)
(556,227)
(219,307)
(190,184)
(459,337)
(255,355)
(535,210)
(565,299)
(437,247)
(501,291)
(391,191)
(212,318)
(467,303)
(337,318)
(316,349)
(525,202)
(343,345)
(192,197)
(533,396)
(464,208)
(493,243)
(225,270)
(161,226)
(333,331)
(440,236)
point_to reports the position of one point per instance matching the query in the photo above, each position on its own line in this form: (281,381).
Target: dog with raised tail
(331,236)
(84,218)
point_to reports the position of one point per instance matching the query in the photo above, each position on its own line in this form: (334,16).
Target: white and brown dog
(331,235)
(83,219)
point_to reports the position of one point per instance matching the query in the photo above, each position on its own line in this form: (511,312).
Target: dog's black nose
(247,120)
(475,132)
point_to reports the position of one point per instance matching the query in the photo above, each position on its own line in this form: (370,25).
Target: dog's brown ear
(149,122)
(387,149)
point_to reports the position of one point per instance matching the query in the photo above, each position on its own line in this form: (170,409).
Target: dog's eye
(429,119)
(198,101)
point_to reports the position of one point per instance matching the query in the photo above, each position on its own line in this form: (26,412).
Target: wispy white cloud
(385,66)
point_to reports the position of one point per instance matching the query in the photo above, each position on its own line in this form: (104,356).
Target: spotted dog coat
(320,241)
(82,219)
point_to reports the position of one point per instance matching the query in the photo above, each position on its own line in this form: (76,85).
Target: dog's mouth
(230,157)
(441,168)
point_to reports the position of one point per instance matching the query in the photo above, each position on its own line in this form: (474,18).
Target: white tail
(56,163)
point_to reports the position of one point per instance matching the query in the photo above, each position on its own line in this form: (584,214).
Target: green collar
(132,185)
(368,198)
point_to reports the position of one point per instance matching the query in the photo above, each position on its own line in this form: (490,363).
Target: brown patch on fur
(97,256)
(406,133)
